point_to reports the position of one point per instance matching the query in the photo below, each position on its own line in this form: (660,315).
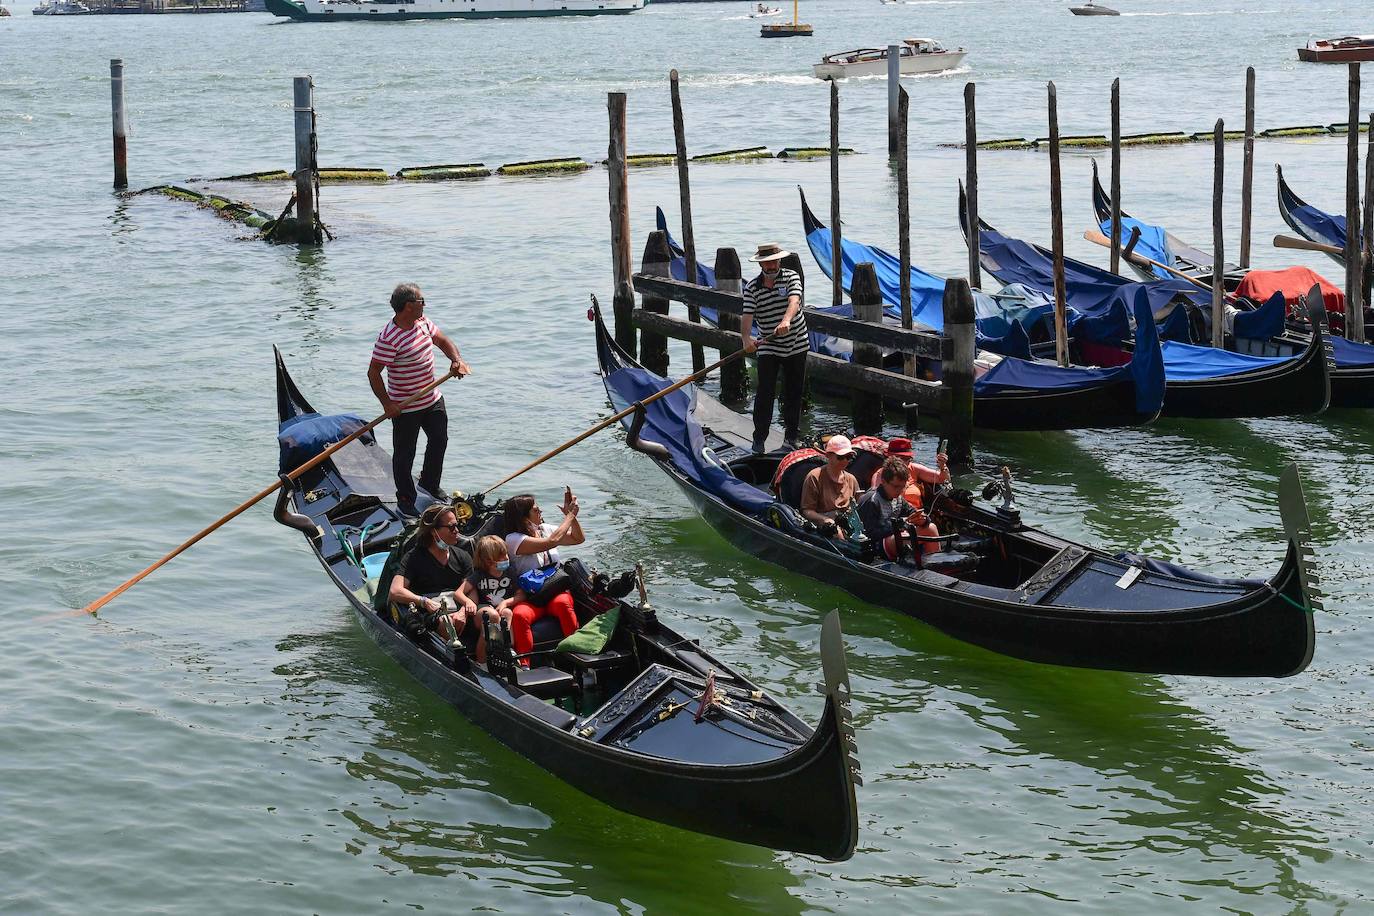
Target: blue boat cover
(1175,327)
(1153,242)
(669,422)
(1145,368)
(1328,227)
(1185,362)
(302,437)
(1264,322)
(1351,355)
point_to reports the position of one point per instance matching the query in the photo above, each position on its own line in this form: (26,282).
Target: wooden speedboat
(1338,50)
(640,734)
(917,55)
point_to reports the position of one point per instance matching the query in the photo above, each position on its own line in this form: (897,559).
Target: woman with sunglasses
(829,492)
(435,565)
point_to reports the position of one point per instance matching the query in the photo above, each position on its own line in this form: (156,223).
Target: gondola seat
(950,563)
(545,683)
(791,474)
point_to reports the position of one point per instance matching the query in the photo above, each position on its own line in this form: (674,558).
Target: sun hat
(899,447)
(770,251)
(839,445)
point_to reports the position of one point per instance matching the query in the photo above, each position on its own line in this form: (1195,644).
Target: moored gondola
(996,582)
(1309,222)
(659,726)
(1203,382)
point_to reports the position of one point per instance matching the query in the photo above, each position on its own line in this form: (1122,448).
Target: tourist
(436,564)
(829,491)
(533,544)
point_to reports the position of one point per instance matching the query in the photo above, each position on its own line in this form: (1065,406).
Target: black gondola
(1352,373)
(745,768)
(997,583)
(1309,222)
(1294,386)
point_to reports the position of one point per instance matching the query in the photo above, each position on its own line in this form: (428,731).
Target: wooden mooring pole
(975,273)
(734,379)
(866,296)
(304,92)
(836,257)
(657,262)
(912,417)
(1218,249)
(1116,176)
(1367,235)
(956,374)
(1354,307)
(623,302)
(894,86)
(1247,170)
(689,244)
(121,125)
(1061,331)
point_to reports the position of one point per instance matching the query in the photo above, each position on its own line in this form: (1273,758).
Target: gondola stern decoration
(836,674)
(1298,527)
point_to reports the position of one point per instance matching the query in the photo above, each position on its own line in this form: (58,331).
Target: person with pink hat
(830,491)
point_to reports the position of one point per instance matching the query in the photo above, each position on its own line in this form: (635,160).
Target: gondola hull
(1310,223)
(750,802)
(1231,628)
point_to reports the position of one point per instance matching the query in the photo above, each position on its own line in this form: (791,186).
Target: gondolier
(405,349)
(773,299)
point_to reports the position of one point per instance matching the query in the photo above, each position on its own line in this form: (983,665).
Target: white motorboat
(763,11)
(917,55)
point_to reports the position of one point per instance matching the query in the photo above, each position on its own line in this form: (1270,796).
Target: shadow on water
(1161,767)
(121,219)
(454,801)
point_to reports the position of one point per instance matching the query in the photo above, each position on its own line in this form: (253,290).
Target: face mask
(502,565)
(772,274)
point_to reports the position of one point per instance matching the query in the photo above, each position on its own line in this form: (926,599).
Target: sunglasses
(420,301)
(451,526)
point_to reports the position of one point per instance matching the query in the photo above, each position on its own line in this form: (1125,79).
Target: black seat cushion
(949,562)
(545,682)
(547,629)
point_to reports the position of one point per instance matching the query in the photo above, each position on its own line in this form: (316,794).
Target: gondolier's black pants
(405,433)
(793,371)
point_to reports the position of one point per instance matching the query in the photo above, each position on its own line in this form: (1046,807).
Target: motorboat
(763,11)
(1338,50)
(1092,9)
(917,55)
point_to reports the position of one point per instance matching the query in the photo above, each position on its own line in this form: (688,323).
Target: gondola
(1013,393)
(1352,374)
(996,582)
(648,736)
(1309,222)
(1202,382)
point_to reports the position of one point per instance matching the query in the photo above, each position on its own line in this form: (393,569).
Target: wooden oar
(96,605)
(1288,241)
(1093,235)
(696,376)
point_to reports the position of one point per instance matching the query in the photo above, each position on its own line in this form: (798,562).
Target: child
(491,586)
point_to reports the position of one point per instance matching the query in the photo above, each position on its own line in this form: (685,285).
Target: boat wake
(1207,13)
(868,77)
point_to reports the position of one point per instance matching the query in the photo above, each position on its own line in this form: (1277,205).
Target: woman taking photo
(532,543)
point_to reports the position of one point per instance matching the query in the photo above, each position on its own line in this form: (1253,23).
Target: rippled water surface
(224,738)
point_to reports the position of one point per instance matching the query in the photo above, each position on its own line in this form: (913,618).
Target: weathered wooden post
(121,125)
(1354,307)
(1061,331)
(306,233)
(956,373)
(894,86)
(657,262)
(836,257)
(975,271)
(1367,234)
(734,380)
(1116,175)
(1218,249)
(912,412)
(689,244)
(867,299)
(1247,170)
(623,302)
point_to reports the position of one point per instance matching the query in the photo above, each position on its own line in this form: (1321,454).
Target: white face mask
(772,274)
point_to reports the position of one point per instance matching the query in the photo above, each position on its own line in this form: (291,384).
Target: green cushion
(591,639)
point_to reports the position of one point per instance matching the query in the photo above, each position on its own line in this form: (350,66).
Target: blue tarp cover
(669,422)
(303,437)
(1264,322)
(1351,355)
(1188,362)
(1327,226)
(1153,242)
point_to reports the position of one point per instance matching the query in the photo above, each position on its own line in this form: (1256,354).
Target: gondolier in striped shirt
(773,301)
(405,349)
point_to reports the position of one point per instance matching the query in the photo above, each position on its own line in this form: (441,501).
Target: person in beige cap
(773,301)
(830,491)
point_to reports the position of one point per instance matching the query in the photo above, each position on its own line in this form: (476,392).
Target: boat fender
(652,449)
(284,515)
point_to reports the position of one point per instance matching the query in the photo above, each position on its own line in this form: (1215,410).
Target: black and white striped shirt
(768,306)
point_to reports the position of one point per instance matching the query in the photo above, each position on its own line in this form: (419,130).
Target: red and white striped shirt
(409,360)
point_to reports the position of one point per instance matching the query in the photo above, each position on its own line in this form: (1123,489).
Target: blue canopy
(1351,355)
(1145,368)
(669,422)
(1153,242)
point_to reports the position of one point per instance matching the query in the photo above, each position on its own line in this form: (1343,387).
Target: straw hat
(770,251)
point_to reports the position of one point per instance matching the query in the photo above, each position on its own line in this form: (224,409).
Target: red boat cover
(1294,282)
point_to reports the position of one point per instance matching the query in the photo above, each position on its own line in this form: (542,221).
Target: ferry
(392,10)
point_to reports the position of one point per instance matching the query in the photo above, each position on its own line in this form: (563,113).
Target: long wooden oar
(1288,241)
(96,605)
(1092,235)
(694,377)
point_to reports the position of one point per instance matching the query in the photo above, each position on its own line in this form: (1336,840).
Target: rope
(1302,607)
